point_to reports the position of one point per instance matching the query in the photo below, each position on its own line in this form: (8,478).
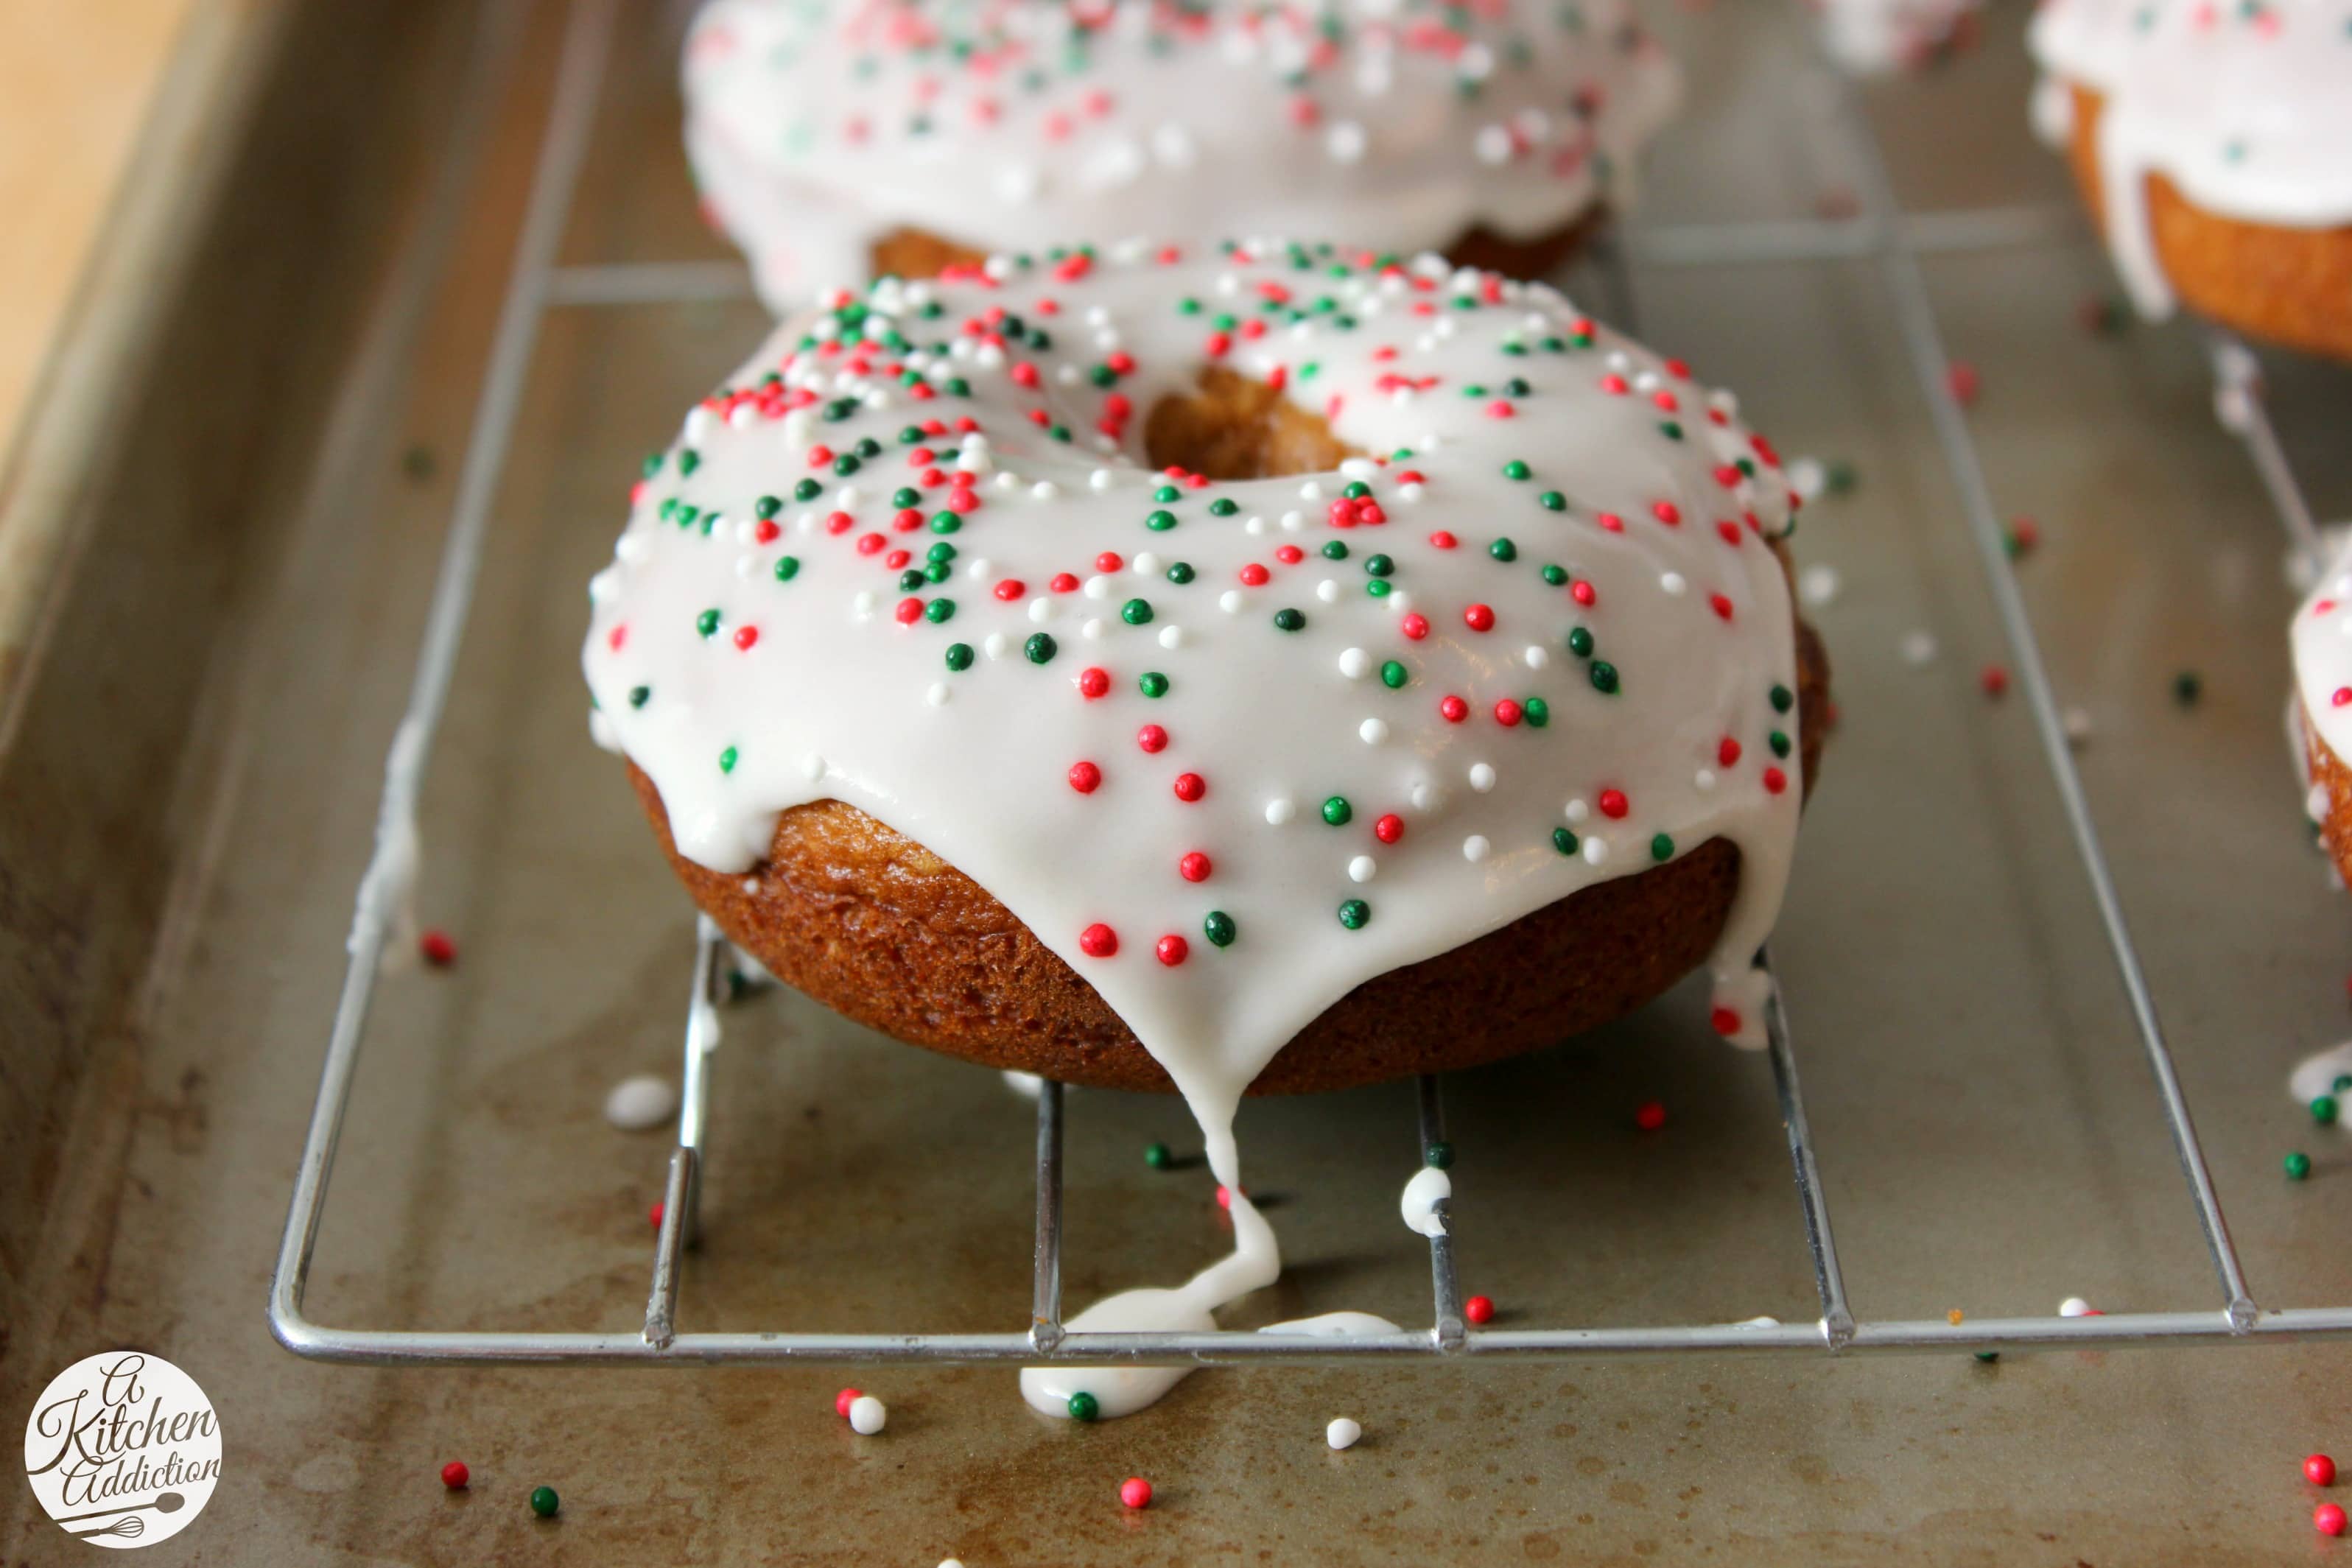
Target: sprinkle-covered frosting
(1230,748)
(2246,108)
(2323,657)
(1870,37)
(817,128)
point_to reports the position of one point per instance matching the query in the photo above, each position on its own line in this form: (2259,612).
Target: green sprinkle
(1662,847)
(1503,549)
(1355,914)
(1552,501)
(1219,928)
(1515,469)
(1604,675)
(1784,699)
(1555,573)
(1538,712)
(2297,1165)
(1779,743)
(1040,648)
(960,655)
(1136,611)
(2323,1110)
(1334,549)
(1152,684)
(1224,506)
(637,695)
(687,462)
(766,508)
(945,522)
(1156,1156)
(1167,493)
(1336,811)
(807,490)
(1161,522)
(1288,620)
(939,610)
(2187,687)
(727,760)
(1579,643)
(1563,840)
(788,567)
(1438,1154)
(1987,1356)
(1180,572)
(846,464)
(707,623)
(1379,565)
(544,1502)
(1394,675)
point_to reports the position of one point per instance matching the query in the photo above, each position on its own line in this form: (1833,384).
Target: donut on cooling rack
(2321,639)
(1273,666)
(839,140)
(2214,144)
(1872,37)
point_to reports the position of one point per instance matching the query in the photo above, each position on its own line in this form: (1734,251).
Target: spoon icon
(131,1528)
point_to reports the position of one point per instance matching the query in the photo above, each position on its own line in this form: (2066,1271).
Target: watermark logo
(124,1449)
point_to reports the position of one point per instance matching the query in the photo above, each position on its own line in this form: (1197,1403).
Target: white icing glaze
(1342,1433)
(1871,37)
(1254,1262)
(816,128)
(1336,1325)
(1238,916)
(2247,110)
(1428,1187)
(2316,1075)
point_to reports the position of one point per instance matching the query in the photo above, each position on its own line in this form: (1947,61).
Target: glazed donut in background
(836,141)
(1871,38)
(2214,144)
(1266,665)
(2322,642)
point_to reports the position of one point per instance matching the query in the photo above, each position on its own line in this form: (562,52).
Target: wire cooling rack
(1879,232)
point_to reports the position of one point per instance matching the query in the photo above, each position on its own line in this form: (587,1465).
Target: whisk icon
(129,1529)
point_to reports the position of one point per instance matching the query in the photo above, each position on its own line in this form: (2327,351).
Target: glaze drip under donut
(818,129)
(1228,746)
(2246,109)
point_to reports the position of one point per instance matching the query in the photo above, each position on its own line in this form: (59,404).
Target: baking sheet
(1988,1137)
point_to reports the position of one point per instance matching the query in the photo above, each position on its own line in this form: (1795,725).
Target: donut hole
(1237,428)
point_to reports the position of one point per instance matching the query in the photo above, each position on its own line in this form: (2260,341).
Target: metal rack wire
(1880,232)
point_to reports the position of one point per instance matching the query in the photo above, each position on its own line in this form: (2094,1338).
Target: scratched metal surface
(1989,1136)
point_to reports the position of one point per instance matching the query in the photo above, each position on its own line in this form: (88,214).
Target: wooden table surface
(76,80)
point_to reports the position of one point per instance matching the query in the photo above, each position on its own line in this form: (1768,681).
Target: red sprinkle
(1389,829)
(1444,540)
(1152,737)
(1613,803)
(1453,709)
(1193,867)
(1651,1114)
(654,1216)
(2319,1471)
(1479,1309)
(1010,589)
(910,611)
(1507,712)
(1190,787)
(745,636)
(1775,781)
(1108,562)
(2327,1519)
(1135,1493)
(454,1475)
(1084,776)
(1725,1020)
(2342,695)
(1173,949)
(1254,575)
(845,1399)
(1415,625)
(1963,380)
(1478,618)
(1093,682)
(1994,680)
(1726,755)
(1098,941)
(438,949)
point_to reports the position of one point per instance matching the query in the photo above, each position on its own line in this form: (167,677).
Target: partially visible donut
(839,140)
(2322,641)
(1870,37)
(1129,658)
(2214,146)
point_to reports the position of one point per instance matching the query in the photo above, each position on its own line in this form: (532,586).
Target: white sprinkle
(1473,848)
(1253,525)
(1808,477)
(1172,637)
(1045,490)
(1100,480)
(1098,586)
(1310,491)
(1536,656)
(1494,145)
(2073,1307)
(1146,564)
(861,604)
(867,1416)
(1918,648)
(1673,583)
(994,644)
(1230,601)
(1595,851)
(1328,590)
(1279,810)
(938,695)
(1575,811)
(1704,779)
(1339,1433)
(1482,777)
(1092,627)
(1363,868)
(1354,663)
(633,548)
(1041,610)
(1817,585)
(1373,731)
(1345,141)
(1409,492)
(745,565)
(2077,724)
(698,426)
(1427,796)
(1293,521)
(640,1103)
(978,568)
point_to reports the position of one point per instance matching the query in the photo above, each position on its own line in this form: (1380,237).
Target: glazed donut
(2322,642)
(838,141)
(2214,144)
(1871,38)
(1124,666)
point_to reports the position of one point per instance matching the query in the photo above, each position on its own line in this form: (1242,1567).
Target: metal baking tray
(1988,1134)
